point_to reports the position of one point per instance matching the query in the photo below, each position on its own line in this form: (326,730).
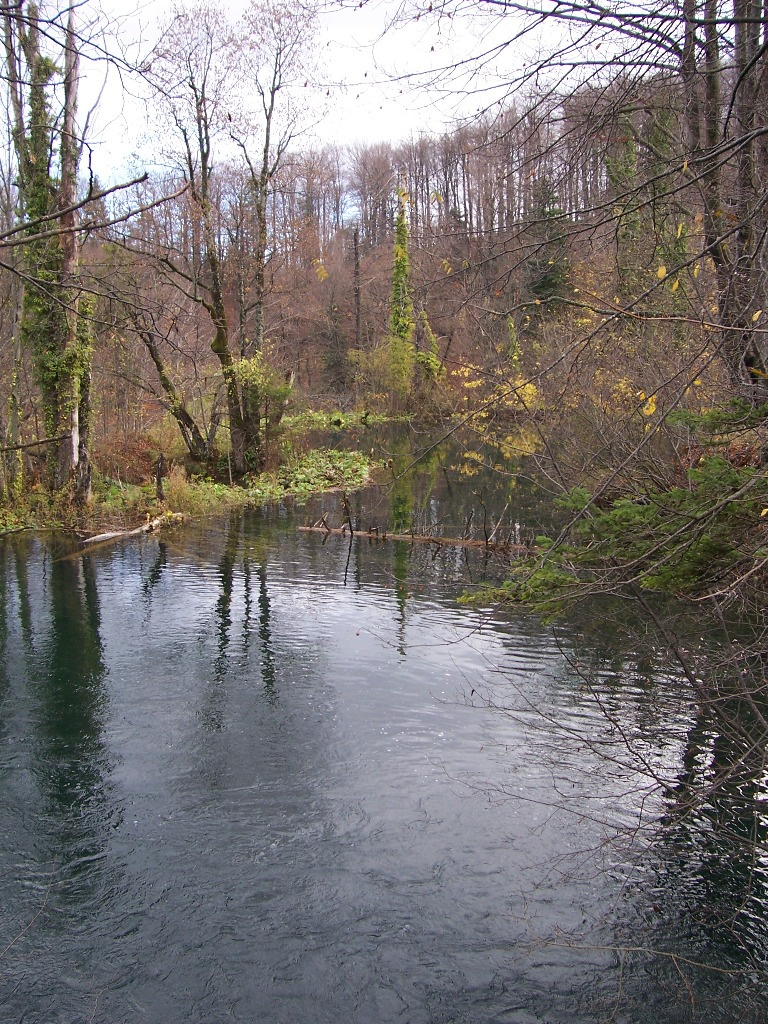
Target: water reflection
(69,691)
(716,827)
(224,603)
(155,572)
(268,668)
(297,781)
(59,809)
(239,568)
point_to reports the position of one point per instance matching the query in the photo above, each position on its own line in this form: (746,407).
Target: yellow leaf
(661,272)
(685,165)
(764,512)
(679,229)
(650,406)
(322,273)
(675,285)
(696,270)
(756,315)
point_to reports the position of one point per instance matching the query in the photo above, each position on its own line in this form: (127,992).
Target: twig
(29,924)
(498,524)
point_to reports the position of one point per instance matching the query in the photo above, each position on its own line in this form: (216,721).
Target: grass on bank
(314,419)
(117,505)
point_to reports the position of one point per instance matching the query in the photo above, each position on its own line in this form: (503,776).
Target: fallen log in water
(102,539)
(150,526)
(504,547)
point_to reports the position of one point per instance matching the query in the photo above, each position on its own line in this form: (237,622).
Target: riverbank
(116,505)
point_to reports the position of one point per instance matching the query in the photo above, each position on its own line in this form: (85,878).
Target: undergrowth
(118,505)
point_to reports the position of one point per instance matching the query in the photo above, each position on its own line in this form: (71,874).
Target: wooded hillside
(584,260)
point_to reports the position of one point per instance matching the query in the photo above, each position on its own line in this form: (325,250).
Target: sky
(386,65)
(365,67)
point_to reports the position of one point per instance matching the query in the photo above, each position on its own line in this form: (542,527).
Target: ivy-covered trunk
(401,316)
(55,324)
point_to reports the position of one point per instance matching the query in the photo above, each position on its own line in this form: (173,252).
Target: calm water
(251,776)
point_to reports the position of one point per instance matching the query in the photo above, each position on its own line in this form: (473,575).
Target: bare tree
(206,70)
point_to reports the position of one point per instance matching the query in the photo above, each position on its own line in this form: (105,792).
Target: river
(251,774)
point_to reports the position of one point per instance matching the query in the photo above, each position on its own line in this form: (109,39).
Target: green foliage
(54,327)
(402,359)
(201,496)
(576,500)
(401,319)
(399,344)
(548,268)
(264,394)
(544,585)
(385,371)
(316,419)
(118,505)
(17,514)
(256,373)
(44,322)
(682,541)
(322,470)
(36,508)
(370,368)
(736,415)
(427,355)
(409,352)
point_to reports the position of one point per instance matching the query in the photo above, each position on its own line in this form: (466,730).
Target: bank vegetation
(577,275)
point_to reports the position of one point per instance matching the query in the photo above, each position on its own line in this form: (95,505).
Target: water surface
(250,774)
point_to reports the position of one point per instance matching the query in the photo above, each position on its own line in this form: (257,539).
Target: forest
(575,275)
(568,286)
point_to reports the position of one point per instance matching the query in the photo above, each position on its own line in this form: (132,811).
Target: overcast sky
(363,54)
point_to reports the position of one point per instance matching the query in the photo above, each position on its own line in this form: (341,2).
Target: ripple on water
(281,797)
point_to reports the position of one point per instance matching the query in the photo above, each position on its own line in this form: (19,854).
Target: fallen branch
(101,539)
(498,524)
(33,444)
(416,538)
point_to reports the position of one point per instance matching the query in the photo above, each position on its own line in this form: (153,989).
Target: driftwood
(102,539)
(504,547)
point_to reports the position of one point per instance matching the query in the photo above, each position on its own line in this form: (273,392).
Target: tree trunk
(357,289)
(50,323)
(193,439)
